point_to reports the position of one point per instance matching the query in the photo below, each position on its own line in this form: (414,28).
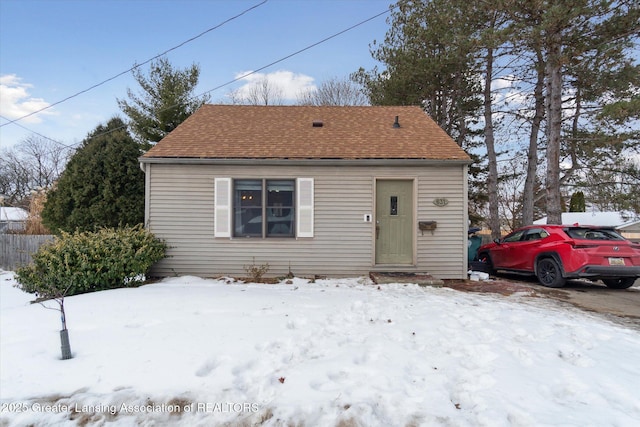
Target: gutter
(301,162)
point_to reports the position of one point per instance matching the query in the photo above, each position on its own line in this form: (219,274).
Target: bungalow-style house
(330,191)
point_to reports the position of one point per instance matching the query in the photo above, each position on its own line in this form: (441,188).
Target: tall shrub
(91,261)
(102,185)
(85,262)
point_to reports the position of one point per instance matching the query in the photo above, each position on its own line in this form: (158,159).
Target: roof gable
(307,132)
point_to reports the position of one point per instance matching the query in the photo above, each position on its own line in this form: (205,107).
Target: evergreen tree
(102,185)
(430,58)
(589,46)
(577,204)
(572,62)
(166,101)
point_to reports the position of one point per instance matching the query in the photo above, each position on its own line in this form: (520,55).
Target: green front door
(394,222)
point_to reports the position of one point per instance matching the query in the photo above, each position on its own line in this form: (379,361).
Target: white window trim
(304,207)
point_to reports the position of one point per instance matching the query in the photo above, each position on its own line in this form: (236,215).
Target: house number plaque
(441,202)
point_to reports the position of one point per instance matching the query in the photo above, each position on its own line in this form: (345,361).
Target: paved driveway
(622,306)
(599,298)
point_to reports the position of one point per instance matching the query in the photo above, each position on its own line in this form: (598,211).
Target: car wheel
(549,273)
(621,283)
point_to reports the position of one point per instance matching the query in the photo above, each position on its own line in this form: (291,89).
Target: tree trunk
(492,180)
(65,346)
(554,114)
(528,201)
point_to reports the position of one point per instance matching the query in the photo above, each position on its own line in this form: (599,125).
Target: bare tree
(261,92)
(33,164)
(13,179)
(266,92)
(335,91)
(45,159)
(510,194)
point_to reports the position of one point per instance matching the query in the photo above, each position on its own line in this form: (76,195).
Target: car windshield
(593,233)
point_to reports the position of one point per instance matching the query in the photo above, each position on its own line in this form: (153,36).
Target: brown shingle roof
(287,132)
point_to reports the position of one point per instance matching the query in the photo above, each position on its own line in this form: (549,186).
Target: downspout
(146,168)
(465,219)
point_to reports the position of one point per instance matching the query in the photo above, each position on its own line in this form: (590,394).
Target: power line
(264,66)
(284,58)
(297,52)
(135,66)
(70,147)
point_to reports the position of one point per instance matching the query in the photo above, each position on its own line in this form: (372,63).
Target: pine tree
(430,61)
(166,100)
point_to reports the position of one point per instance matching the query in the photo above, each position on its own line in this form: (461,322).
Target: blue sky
(53,49)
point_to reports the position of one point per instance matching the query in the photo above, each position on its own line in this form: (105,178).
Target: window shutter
(222,208)
(304,220)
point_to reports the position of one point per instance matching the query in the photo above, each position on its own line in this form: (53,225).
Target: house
(627,223)
(12,219)
(331,191)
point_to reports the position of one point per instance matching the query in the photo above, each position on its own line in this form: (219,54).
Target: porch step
(420,278)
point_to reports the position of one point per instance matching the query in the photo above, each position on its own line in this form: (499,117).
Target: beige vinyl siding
(181,211)
(440,250)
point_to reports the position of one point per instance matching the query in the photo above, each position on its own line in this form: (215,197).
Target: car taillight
(577,245)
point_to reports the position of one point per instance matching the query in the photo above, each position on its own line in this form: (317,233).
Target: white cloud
(290,84)
(502,83)
(16,101)
(508,91)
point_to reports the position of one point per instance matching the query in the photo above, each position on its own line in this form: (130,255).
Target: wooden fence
(16,249)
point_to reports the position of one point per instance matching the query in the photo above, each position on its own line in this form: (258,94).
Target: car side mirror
(497,241)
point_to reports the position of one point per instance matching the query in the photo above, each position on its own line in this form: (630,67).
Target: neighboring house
(330,191)
(626,222)
(12,219)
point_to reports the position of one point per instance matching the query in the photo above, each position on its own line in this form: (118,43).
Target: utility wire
(135,66)
(286,57)
(263,67)
(296,52)
(71,147)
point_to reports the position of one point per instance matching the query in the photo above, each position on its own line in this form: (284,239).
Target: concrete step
(420,278)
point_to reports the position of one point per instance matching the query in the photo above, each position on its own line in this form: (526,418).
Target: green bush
(91,261)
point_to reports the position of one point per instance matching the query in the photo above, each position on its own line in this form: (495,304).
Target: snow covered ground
(188,351)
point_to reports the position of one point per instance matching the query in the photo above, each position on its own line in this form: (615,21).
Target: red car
(555,253)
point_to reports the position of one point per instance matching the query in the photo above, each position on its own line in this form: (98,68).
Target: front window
(264,208)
